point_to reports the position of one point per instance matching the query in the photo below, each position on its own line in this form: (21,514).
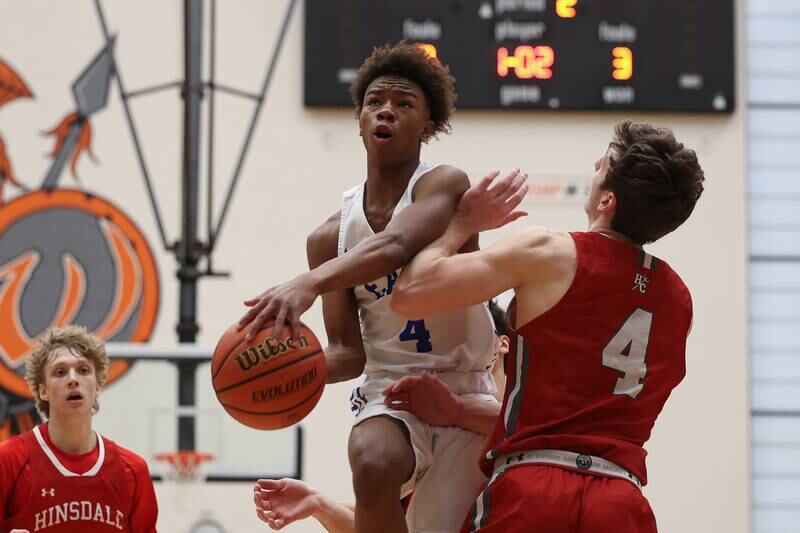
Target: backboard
(140,412)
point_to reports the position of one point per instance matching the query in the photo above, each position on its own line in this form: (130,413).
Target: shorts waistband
(477,382)
(580,461)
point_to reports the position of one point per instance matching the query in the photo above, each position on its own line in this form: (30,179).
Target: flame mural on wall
(66,256)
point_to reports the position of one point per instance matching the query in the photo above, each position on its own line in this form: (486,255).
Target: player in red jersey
(62,477)
(601,330)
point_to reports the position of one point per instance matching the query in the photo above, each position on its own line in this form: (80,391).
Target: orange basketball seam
(270,371)
(225,359)
(227,406)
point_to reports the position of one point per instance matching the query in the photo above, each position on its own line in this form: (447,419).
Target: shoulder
(544,241)
(321,244)
(328,230)
(676,284)
(442,179)
(535,250)
(133,461)
(13,448)
(14,455)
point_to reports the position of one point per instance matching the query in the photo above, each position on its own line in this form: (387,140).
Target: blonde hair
(79,342)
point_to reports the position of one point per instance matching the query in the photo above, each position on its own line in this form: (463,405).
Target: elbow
(404,300)
(400,301)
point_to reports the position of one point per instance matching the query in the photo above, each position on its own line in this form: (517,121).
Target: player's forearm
(423,272)
(335,517)
(371,259)
(343,363)
(421,289)
(479,416)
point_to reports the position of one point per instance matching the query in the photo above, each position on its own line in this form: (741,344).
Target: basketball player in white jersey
(403,98)
(280,502)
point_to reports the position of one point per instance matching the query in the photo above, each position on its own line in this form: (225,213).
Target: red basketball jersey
(62,501)
(592,374)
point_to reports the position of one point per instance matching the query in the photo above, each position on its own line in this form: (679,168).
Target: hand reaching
(282,302)
(426,396)
(279,502)
(491,202)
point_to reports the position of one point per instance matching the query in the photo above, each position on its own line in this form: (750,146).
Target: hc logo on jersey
(49,492)
(640,283)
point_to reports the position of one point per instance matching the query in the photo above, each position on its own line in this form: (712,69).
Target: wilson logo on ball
(269,349)
(270,382)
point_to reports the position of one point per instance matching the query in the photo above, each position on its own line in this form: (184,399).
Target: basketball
(268,383)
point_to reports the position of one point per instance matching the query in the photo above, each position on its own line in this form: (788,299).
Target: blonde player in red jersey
(601,330)
(63,477)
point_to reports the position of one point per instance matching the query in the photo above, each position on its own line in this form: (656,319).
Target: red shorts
(542,498)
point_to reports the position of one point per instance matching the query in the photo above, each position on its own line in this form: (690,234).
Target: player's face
(596,194)
(70,383)
(394,119)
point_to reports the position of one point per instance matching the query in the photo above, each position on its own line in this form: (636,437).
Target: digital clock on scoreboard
(655,55)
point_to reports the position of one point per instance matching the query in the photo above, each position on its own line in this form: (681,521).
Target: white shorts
(446,477)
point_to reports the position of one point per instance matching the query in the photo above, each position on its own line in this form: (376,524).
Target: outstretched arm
(279,502)
(435,198)
(439,280)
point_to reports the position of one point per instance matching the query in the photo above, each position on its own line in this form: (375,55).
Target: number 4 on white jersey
(626,352)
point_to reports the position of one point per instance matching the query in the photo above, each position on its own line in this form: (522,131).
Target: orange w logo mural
(66,257)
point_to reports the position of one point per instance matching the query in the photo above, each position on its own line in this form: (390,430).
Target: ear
(42,392)
(505,344)
(608,202)
(427,132)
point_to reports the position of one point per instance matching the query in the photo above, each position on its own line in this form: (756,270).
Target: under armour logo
(583,462)
(48,492)
(640,282)
(515,458)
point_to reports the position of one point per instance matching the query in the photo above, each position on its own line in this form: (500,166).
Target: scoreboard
(650,55)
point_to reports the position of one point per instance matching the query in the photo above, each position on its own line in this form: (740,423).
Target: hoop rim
(185,465)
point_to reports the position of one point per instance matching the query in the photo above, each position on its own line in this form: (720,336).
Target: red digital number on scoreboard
(527,62)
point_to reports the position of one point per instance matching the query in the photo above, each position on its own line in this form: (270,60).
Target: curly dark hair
(410,62)
(656,181)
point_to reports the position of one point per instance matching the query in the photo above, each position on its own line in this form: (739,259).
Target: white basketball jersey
(458,345)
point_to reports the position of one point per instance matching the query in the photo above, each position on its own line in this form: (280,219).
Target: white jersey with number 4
(459,346)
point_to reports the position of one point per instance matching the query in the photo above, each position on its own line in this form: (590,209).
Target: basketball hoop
(185,466)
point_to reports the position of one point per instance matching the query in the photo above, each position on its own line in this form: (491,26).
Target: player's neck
(386,183)
(602,225)
(617,236)
(72,434)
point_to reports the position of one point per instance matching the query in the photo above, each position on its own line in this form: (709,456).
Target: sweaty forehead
(395,84)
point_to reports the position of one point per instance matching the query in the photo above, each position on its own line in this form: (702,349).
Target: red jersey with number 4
(62,501)
(592,374)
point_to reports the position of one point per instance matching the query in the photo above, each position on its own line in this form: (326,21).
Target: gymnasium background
(300,162)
